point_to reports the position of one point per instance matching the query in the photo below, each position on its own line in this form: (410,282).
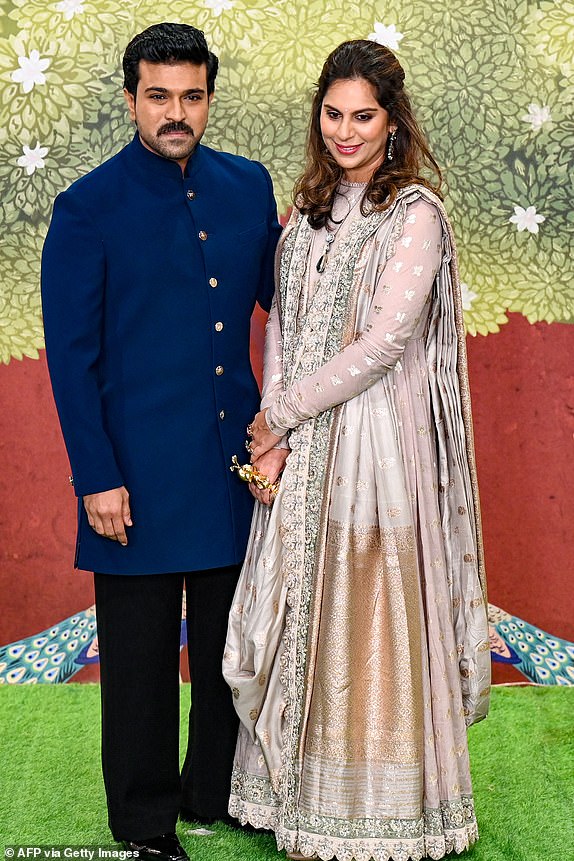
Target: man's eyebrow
(165,90)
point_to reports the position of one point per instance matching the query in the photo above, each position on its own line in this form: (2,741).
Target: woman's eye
(364,118)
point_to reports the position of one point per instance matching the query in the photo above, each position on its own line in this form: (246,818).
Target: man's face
(171,108)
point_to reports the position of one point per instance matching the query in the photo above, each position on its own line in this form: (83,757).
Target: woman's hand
(263,440)
(270,464)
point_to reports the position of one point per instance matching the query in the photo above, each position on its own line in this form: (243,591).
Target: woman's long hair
(315,189)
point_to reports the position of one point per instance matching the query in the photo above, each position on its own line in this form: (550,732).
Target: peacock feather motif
(57,654)
(542,658)
(54,655)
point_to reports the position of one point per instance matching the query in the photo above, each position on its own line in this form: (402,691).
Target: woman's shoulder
(423,202)
(416,191)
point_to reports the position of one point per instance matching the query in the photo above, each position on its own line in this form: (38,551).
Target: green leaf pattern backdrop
(492,83)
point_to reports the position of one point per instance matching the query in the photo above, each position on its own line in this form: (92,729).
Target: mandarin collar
(158,169)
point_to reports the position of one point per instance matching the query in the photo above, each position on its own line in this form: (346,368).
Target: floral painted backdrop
(493,84)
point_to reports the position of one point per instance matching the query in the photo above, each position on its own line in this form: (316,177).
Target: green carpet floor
(51,791)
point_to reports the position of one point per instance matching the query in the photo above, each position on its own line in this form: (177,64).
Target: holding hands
(262,438)
(267,459)
(270,464)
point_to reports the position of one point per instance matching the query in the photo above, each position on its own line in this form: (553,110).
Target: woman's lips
(348,150)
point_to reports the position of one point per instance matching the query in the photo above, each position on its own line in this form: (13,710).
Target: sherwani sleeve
(266,282)
(403,286)
(73,286)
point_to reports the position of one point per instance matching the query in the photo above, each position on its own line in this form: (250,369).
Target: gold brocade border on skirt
(367,700)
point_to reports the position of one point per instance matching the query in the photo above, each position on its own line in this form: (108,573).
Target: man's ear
(131,103)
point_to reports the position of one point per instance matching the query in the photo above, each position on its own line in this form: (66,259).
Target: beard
(170,148)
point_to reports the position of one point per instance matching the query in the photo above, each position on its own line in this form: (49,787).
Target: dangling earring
(391,145)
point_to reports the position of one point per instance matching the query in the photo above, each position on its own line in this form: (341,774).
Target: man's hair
(168,44)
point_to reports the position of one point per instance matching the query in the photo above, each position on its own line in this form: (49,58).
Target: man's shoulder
(98,177)
(228,162)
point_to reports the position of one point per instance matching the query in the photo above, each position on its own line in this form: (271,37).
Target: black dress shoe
(166,847)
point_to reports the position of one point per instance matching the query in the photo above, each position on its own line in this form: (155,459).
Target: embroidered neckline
(348,184)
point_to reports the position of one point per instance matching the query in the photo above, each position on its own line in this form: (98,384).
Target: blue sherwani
(149,280)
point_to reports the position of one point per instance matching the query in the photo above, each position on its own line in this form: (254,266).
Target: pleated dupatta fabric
(357,649)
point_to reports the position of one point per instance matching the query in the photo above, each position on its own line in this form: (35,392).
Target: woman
(357,648)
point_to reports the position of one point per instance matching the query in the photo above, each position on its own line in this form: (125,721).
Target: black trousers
(139,621)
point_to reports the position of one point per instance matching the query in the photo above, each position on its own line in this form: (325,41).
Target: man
(151,270)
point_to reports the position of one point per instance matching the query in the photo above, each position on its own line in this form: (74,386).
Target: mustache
(175,127)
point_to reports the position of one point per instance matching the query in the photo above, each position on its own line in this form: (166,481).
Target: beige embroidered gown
(357,649)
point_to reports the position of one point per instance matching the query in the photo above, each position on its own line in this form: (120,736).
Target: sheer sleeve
(402,290)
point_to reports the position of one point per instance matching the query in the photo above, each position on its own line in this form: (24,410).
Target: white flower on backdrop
(526,219)
(468,296)
(31,71)
(70,8)
(33,158)
(386,35)
(219,6)
(537,115)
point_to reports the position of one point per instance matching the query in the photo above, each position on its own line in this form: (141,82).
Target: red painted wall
(523,395)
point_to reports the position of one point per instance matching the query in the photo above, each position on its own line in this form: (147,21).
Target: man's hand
(270,464)
(109,513)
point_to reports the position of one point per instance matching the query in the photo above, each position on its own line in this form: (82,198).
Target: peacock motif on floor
(53,655)
(542,658)
(58,653)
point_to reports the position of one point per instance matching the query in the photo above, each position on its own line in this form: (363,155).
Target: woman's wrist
(273,422)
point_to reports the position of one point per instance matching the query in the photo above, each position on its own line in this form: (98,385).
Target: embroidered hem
(379,848)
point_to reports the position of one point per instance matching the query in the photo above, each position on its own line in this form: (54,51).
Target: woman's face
(355,128)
